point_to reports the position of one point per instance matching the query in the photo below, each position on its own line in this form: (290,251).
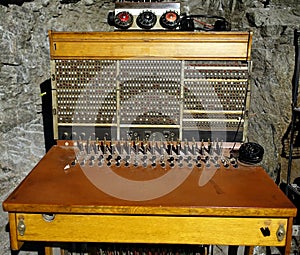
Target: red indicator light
(169,20)
(123,20)
(124,16)
(171,16)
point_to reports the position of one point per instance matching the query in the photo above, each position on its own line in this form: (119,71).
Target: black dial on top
(169,20)
(123,20)
(146,20)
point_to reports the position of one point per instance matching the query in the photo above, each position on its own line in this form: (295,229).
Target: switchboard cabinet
(147,126)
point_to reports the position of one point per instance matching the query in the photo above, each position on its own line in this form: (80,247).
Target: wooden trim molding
(147,45)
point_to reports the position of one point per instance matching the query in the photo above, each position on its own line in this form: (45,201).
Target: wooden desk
(236,207)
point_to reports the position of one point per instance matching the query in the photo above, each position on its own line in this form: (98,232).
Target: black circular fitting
(169,20)
(123,20)
(146,20)
(251,153)
(111,18)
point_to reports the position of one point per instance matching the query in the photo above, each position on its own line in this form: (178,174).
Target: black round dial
(169,20)
(146,20)
(123,20)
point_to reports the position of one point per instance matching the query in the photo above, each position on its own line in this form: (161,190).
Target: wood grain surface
(242,191)
(145,45)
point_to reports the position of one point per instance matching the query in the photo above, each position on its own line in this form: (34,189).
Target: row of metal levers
(153,154)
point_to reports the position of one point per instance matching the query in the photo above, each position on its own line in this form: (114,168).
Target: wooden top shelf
(148,45)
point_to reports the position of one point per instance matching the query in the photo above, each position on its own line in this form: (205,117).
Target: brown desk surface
(245,191)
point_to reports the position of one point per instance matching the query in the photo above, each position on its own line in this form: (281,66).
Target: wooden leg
(14,243)
(249,250)
(48,251)
(288,236)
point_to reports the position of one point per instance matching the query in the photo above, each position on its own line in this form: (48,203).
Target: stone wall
(24,65)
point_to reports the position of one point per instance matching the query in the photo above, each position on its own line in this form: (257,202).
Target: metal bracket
(49,217)
(280,233)
(21,227)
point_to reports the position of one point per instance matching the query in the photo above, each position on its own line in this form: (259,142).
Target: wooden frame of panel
(152,229)
(147,45)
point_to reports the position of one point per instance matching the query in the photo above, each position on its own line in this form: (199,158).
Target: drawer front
(153,229)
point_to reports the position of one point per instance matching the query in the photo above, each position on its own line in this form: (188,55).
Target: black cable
(295,86)
(249,153)
(241,118)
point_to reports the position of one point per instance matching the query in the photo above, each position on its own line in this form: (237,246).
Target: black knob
(146,20)
(111,18)
(171,159)
(187,24)
(65,136)
(169,20)
(123,20)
